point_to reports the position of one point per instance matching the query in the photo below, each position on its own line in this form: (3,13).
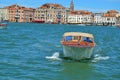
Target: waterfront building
(51,13)
(109,18)
(20,14)
(80,17)
(71,6)
(3,14)
(118,19)
(28,14)
(98,18)
(74,19)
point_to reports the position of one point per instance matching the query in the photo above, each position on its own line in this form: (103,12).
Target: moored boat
(78,45)
(3,25)
(81,24)
(38,21)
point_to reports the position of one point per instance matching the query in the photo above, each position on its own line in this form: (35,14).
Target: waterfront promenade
(58,14)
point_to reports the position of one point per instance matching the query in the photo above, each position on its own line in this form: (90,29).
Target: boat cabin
(78,39)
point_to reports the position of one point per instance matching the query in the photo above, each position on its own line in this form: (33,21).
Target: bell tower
(71,6)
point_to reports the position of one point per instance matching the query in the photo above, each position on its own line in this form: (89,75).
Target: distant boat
(3,25)
(78,45)
(81,24)
(38,21)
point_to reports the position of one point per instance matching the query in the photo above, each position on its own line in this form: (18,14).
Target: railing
(78,44)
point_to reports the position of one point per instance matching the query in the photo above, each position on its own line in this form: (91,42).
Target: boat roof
(78,34)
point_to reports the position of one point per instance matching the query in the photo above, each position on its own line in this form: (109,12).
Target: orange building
(20,14)
(110,13)
(51,13)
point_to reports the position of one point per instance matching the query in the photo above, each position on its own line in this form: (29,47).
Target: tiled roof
(14,6)
(108,15)
(28,9)
(48,5)
(112,11)
(81,12)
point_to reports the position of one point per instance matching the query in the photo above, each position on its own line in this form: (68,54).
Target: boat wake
(98,57)
(55,56)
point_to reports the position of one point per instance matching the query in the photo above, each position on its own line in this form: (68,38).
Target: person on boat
(79,40)
(88,40)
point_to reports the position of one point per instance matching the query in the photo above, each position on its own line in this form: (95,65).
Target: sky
(90,5)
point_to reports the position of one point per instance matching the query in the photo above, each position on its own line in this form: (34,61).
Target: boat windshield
(68,38)
(87,39)
(78,38)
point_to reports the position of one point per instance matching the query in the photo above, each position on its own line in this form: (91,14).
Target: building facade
(109,18)
(3,14)
(28,14)
(20,14)
(118,19)
(80,17)
(98,18)
(75,19)
(51,13)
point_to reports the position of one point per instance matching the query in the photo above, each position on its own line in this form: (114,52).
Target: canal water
(31,51)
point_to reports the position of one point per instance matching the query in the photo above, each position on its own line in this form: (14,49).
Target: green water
(25,46)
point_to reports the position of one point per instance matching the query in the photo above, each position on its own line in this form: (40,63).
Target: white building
(75,19)
(80,17)
(3,14)
(87,18)
(109,18)
(98,19)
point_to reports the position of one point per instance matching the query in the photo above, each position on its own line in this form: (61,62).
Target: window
(42,14)
(68,38)
(87,39)
(75,37)
(108,19)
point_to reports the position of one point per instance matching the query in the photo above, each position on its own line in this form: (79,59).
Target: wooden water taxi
(78,45)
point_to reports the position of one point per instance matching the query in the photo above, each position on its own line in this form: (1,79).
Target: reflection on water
(79,70)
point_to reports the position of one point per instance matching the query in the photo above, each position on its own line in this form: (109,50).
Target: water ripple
(33,52)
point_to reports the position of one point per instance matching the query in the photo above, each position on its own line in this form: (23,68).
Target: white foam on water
(98,58)
(58,46)
(55,56)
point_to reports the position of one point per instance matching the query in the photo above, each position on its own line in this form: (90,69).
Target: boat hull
(77,53)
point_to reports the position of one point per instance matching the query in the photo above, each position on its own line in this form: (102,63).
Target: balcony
(17,16)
